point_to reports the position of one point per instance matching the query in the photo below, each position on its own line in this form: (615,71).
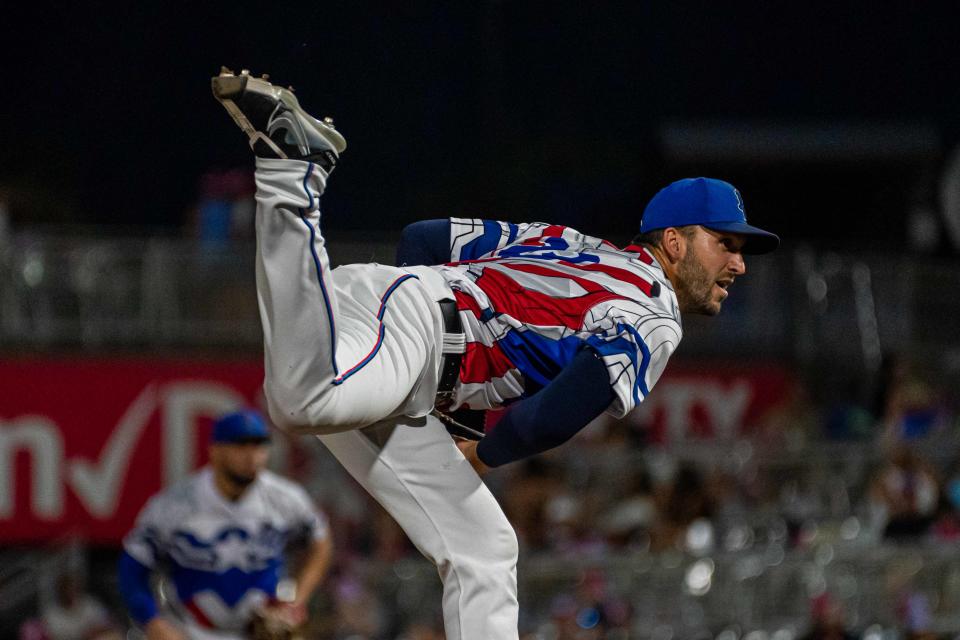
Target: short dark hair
(655,237)
(650,238)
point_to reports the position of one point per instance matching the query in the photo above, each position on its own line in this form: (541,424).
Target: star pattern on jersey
(234,551)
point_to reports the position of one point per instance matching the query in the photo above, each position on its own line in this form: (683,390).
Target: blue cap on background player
(240,426)
(709,202)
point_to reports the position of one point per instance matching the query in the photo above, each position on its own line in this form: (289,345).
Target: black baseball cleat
(276,124)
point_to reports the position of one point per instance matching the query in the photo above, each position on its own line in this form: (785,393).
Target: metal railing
(676,595)
(92,293)
(762,592)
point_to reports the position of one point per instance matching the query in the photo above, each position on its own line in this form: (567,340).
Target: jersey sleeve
(426,242)
(145,542)
(635,340)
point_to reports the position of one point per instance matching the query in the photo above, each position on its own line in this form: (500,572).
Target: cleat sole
(229,87)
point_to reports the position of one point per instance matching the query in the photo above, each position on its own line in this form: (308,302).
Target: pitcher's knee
(500,545)
(283,409)
(494,575)
(494,552)
(288,406)
(507,546)
(304,412)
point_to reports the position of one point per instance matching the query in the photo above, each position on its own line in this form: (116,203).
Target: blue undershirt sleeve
(424,243)
(553,415)
(134,581)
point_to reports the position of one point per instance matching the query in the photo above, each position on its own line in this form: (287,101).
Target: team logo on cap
(736,192)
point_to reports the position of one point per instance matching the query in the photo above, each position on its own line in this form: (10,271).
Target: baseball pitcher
(557,326)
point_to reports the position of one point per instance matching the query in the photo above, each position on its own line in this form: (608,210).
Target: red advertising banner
(703,401)
(84,443)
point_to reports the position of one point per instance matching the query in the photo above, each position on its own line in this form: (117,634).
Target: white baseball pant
(353,355)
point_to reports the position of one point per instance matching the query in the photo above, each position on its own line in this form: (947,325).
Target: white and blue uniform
(354,355)
(532,295)
(224,559)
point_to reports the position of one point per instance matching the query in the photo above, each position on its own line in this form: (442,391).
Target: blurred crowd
(841,513)
(844,478)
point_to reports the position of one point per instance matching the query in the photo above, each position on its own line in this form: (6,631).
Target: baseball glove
(274,623)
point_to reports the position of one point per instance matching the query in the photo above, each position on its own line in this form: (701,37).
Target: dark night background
(516,110)
(837,120)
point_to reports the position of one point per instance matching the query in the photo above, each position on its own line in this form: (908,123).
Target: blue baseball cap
(239,427)
(709,202)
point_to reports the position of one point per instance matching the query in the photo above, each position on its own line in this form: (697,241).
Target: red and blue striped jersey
(530,296)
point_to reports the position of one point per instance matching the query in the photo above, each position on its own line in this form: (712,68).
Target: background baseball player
(220,537)
(556,324)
